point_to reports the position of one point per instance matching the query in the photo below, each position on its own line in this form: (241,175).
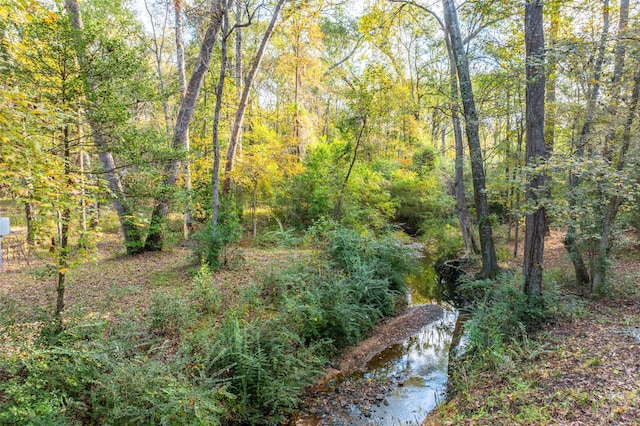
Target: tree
(535,148)
(487,247)
(131,230)
(570,239)
(155,238)
(244,98)
(182,85)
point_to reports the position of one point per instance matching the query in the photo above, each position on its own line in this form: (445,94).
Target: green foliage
(266,366)
(212,246)
(388,257)
(169,314)
(85,378)
(310,195)
(206,297)
(501,317)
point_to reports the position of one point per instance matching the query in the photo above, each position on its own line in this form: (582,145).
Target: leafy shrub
(96,375)
(389,258)
(211,247)
(206,297)
(169,314)
(501,317)
(267,369)
(323,305)
(147,392)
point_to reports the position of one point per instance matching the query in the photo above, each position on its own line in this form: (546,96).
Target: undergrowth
(188,361)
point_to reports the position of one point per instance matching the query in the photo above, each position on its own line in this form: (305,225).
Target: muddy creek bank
(395,377)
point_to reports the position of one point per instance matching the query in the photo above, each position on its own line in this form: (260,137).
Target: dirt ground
(583,369)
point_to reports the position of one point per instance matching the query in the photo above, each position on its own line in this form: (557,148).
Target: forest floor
(582,369)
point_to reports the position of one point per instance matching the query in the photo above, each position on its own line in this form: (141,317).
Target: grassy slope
(582,370)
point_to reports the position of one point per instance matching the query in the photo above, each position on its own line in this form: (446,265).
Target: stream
(420,365)
(413,372)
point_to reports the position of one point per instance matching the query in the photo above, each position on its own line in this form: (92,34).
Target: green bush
(212,247)
(141,391)
(205,297)
(266,367)
(388,257)
(95,375)
(169,313)
(501,318)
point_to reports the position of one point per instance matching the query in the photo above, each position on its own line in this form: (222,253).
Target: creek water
(418,365)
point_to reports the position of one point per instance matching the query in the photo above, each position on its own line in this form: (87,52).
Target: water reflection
(420,365)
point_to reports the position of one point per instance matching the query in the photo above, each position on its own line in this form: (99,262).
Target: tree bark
(570,239)
(535,148)
(187,223)
(604,246)
(619,60)
(466,227)
(551,77)
(489,259)
(131,232)
(64,217)
(244,99)
(215,175)
(155,238)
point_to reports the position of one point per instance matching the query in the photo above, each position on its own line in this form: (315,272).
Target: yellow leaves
(63,271)
(51,18)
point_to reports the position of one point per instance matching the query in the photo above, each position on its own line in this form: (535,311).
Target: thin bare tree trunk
(254,208)
(336,213)
(244,99)
(155,238)
(489,259)
(238,63)
(535,148)
(157,51)
(215,175)
(614,98)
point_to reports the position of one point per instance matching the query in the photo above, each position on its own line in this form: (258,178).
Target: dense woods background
(474,127)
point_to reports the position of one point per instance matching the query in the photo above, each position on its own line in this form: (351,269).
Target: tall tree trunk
(131,232)
(187,222)
(487,247)
(466,227)
(535,148)
(155,238)
(215,175)
(64,217)
(244,99)
(551,77)
(238,63)
(604,246)
(570,239)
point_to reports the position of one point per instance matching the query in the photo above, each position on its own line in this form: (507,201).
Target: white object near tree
(5,229)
